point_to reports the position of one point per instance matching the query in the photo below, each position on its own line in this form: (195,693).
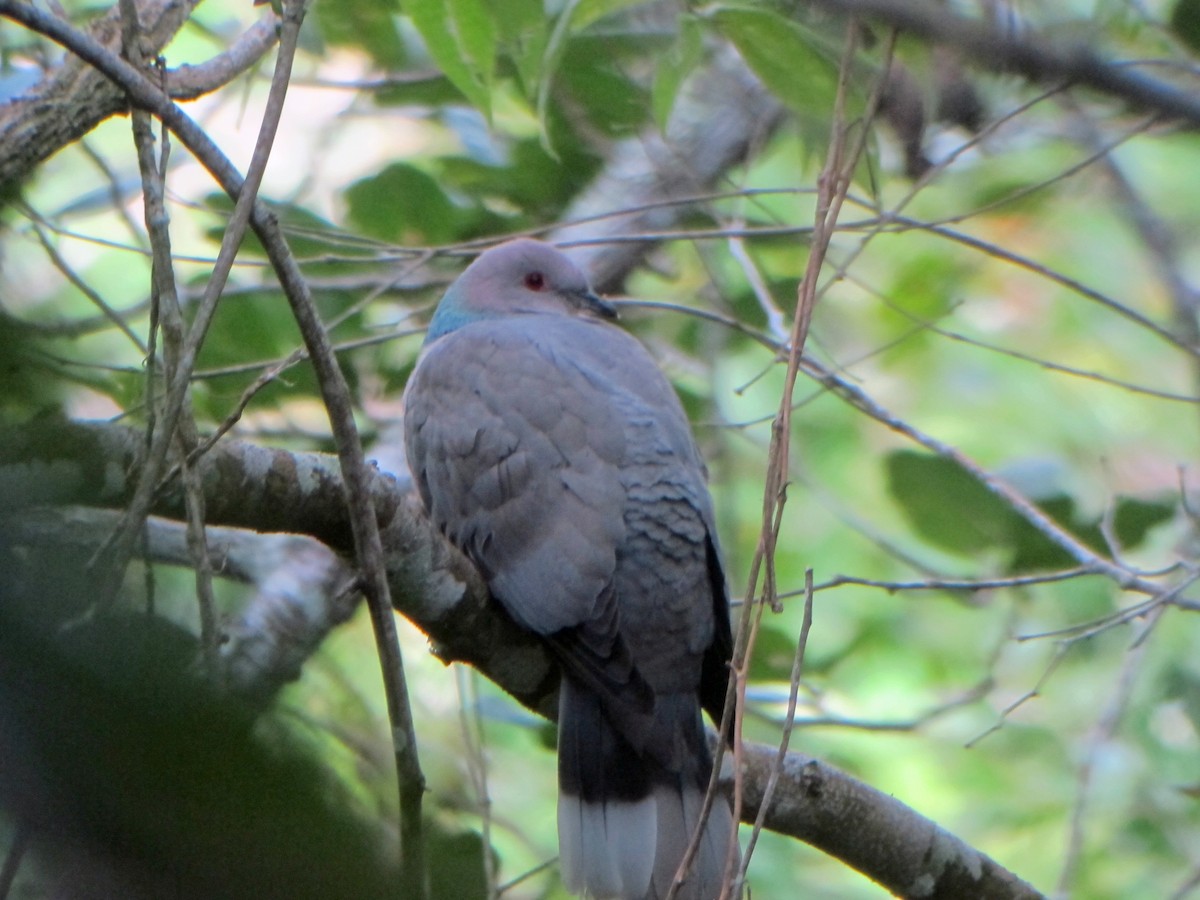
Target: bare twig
(788,723)
(1103,732)
(110,314)
(330,378)
(832,186)
(166,314)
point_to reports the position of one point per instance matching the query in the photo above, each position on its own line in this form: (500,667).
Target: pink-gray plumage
(550,449)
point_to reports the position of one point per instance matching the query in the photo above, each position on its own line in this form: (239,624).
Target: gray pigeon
(549,448)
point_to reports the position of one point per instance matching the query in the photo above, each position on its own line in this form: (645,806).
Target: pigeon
(549,448)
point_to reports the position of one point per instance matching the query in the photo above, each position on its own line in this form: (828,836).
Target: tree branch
(74,98)
(57,462)
(1025,54)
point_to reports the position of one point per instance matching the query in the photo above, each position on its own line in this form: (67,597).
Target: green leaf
(1034,552)
(370,25)
(434,90)
(951,509)
(456,869)
(532,181)
(675,66)
(476,30)
(461,37)
(585,12)
(946,505)
(1185,22)
(523,36)
(597,81)
(402,204)
(1134,517)
(789,59)
(774,653)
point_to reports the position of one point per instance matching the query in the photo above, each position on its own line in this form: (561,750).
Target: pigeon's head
(518,277)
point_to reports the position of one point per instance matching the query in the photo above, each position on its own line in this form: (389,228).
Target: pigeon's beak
(597,305)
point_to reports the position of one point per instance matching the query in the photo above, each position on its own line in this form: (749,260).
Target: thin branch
(187,82)
(332,382)
(1006,50)
(788,724)
(950,584)
(110,314)
(167,315)
(1103,733)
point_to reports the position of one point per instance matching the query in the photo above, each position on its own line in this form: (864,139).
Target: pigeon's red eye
(535,281)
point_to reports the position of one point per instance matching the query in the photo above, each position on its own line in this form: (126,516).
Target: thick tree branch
(303,589)
(873,832)
(56,462)
(74,98)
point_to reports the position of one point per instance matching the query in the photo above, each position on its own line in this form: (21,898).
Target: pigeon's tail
(626,817)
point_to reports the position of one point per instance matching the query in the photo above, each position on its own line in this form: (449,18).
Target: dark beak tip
(600,306)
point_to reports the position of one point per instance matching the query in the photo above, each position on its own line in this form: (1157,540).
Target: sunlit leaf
(461,37)
(953,510)
(785,55)
(523,31)
(585,12)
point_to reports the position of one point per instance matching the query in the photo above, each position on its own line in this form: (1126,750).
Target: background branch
(1025,53)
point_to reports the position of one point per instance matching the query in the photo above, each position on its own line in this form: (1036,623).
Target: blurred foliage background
(1029,301)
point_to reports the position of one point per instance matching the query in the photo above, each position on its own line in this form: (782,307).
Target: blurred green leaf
(593,74)
(456,870)
(1134,517)
(1183,684)
(402,204)
(461,37)
(789,59)
(674,67)
(946,505)
(1185,23)
(369,24)
(522,29)
(23,382)
(774,651)
(949,508)
(477,35)
(585,12)
(537,186)
(420,90)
